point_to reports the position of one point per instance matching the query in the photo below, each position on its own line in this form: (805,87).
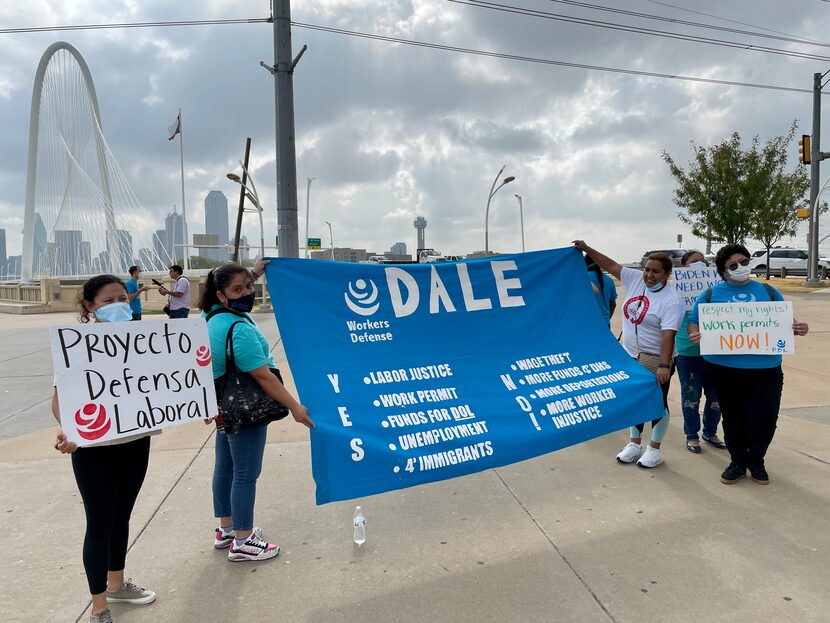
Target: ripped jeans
(692,385)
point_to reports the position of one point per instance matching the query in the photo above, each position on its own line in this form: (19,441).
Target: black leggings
(109,479)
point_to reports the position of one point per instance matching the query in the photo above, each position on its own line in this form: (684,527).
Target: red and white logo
(203,356)
(636,308)
(92,421)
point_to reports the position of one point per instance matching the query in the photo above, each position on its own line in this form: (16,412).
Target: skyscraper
(174,226)
(125,250)
(3,258)
(216,221)
(40,240)
(67,251)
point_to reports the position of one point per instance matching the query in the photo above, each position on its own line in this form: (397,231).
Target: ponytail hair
(217,280)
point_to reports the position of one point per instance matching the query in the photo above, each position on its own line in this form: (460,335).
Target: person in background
(748,386)
(178,299)
(692,385)
(604,289)
(652,314)
(109,476)
(228,298)
(134,290)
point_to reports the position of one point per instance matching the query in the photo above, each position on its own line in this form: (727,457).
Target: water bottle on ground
(359,526)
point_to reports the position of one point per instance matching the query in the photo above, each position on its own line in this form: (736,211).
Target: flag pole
(185,248)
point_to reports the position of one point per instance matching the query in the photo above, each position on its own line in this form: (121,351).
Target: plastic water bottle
(359,526)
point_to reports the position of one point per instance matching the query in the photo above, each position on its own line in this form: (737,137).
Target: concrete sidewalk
(569,536)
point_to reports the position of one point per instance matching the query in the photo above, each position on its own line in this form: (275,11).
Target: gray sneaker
(130,593)
(105,616)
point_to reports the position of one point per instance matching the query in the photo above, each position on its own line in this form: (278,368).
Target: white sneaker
(254,548)
(630,453)
(652,457)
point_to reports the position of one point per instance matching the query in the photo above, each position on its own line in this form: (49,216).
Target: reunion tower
(420,225)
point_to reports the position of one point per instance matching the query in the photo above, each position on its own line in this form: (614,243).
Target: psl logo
(362,297)
(92,421)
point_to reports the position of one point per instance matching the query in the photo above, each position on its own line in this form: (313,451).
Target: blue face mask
(656,287)
(114,312)
(698,265)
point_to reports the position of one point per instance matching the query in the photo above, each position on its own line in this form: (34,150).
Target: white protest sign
(690,282)
(121,379)
(746,328)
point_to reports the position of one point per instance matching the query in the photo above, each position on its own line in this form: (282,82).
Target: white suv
(794,260)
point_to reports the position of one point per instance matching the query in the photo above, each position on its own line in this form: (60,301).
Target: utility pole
(283,72)
(816,156)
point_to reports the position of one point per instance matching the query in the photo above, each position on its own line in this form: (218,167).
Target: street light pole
(331,240)
(307,201)
(522,221)
(493,191)
(253,197)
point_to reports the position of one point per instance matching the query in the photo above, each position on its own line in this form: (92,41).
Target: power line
(674,20)
(732,21)
(197,22)
(493,6)
(506,8)
(546,61)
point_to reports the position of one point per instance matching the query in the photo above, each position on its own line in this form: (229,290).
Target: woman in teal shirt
(230,289)
(748,386)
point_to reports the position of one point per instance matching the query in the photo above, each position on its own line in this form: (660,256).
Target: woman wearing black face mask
(228,297)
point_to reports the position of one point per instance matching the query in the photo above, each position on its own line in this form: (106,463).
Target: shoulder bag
(242,402)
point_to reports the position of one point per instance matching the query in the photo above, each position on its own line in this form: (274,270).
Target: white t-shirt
(645,314)
(181,302)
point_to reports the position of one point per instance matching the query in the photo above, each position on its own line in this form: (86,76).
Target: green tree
(729,194)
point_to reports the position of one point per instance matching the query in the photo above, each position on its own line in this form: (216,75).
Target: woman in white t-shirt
(651,316)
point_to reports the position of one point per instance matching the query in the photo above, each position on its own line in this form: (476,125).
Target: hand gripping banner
(416,373)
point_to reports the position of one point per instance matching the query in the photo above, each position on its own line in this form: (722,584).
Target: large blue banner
(415,373)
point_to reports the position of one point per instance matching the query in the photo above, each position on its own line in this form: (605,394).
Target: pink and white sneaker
(254,548)
(222,539)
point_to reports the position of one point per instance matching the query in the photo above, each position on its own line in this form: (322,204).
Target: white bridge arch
(81,216)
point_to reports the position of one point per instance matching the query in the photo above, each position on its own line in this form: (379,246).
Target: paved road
(570,536)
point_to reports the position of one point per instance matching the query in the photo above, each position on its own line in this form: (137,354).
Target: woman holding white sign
(692,383)
(652,314)
(748,386)
(227,300)
(109,476)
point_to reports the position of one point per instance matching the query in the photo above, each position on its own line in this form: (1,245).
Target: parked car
(675,254)
(794,260)
(455,258)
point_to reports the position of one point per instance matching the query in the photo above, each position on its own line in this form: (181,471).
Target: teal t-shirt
(681,340)
(752,291)
(132,288)
(250,348)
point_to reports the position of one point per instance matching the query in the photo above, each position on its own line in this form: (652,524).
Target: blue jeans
(238,465)
(692,385)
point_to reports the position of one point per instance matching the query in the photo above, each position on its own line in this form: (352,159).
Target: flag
(176,128)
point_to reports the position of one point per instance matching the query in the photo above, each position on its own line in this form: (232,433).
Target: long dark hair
(217,280)
(592,266)
(91,289)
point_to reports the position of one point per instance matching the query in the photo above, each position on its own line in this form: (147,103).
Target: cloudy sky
(392,132)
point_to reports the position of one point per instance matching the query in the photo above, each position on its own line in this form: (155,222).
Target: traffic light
(804,149)
(802,213)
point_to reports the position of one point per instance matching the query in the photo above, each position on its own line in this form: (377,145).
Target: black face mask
(242,304)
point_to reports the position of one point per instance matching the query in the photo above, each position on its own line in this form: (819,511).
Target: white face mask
(741,273)
(698,264)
